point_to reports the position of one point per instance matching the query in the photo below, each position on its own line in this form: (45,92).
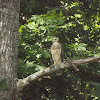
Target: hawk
(56,53)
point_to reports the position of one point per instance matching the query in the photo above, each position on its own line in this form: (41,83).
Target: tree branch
(22,83)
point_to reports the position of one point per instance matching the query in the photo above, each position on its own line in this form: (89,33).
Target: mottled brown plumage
(56,53)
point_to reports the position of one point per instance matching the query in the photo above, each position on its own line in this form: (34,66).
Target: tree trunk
(9,24)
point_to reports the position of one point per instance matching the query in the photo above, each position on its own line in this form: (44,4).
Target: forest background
(77,24)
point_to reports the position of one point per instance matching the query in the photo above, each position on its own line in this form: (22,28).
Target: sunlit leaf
(21,28)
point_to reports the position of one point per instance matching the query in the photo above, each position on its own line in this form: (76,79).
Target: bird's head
(55,39)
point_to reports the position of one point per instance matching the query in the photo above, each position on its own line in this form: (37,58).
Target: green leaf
(86,27)
(32,25)
(43,28)
(46,54)
(40,21)
(96,92)
(21,28)
(38,67)
(61,14)
(42,52)
(49,38)
(81,46)
(53,12)
(29,64)
(78,15)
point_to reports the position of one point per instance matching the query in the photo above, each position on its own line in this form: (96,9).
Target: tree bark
(9,24)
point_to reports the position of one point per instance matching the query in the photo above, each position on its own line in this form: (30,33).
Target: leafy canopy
(76,23)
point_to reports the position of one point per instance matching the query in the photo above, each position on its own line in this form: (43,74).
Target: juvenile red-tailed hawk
(56,53)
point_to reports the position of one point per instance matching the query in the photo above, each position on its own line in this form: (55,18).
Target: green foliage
(3,85)
(35,40)
(96,92)
(77,25)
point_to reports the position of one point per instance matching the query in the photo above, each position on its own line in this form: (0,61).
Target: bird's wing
(62,53)
(51,55)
